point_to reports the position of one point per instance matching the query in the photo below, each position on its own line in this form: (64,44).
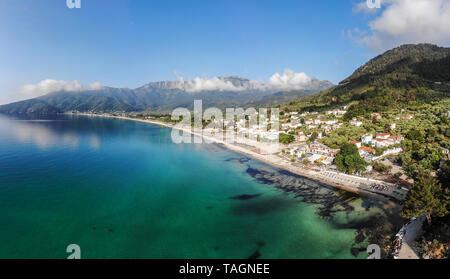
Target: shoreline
(271,160)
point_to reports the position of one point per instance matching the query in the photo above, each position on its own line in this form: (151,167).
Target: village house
(330,122)
(301,137)
(392,126)
(319,148)
(327,128)
(409,116)
(295,125)
(337,126)
(356,123)
(444,151)
(285,126)
(367,139)
(309,121)
(396,138)
(380,143)
(383,136)
(336,112)
(319,134)
(365,151)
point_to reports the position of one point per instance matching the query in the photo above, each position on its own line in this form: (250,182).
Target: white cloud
(210,84)
(289,80)
(409,21)
(50,85)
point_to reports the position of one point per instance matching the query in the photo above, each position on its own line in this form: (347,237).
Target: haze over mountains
(164,96)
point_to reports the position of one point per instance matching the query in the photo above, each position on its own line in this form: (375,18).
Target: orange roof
(380,139)
(354,141)
(396,136)
(367,149)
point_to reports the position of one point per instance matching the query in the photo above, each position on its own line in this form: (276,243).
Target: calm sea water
(122,189)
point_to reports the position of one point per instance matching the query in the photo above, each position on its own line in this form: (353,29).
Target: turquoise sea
(122,189)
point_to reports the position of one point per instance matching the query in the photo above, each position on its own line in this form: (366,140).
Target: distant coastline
(272,160)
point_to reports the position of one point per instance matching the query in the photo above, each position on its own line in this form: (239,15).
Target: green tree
(415,135)
(349,160)
(444,175)
(426,197)
(286,139)
(313,137)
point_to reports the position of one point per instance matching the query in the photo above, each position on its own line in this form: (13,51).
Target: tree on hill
(348,159)
(426,197)
(313,137)
(286,139)
(444,175)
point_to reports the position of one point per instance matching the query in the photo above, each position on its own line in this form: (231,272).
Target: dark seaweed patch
(262,206)
(255,255)
(245,197)
(377,228)
(242,160)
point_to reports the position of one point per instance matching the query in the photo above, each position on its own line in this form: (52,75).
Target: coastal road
(413,231)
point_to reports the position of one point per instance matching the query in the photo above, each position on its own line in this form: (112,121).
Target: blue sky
(126,43)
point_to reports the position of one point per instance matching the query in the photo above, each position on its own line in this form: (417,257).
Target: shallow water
(122,189)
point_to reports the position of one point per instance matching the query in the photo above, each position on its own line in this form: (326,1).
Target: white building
(383,136)
(356,123)
(367,139)
(366,151)
(392,126)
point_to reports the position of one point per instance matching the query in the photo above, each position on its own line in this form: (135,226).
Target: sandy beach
(340,181)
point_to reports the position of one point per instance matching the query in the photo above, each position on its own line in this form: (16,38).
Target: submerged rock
(245,197)
(255,255)
(375,228)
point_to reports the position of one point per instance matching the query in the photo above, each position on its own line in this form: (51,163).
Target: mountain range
(163,96)
(409,73)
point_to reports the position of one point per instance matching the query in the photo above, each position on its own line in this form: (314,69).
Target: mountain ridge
(160,96)
(398,77)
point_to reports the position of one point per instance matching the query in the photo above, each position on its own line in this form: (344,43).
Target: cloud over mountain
(208,84)
(50,85)
(287,81)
